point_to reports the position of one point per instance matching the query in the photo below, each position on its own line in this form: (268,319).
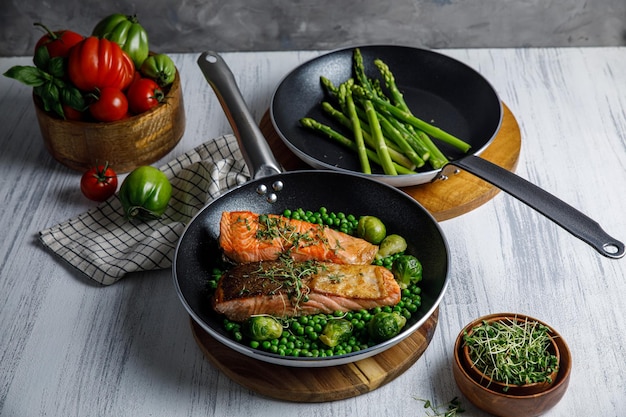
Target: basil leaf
(42,58)
(30,76)
(49,94)
(56,67)
(72,97)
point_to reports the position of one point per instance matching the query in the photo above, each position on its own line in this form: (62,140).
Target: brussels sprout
(335,332)
(384,325)
(391,245)
(407,270)
(371,229)
(262,328)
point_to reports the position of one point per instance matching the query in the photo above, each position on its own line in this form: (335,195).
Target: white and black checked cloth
(105,246)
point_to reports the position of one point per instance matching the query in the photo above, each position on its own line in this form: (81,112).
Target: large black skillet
(272,191)
(437,88)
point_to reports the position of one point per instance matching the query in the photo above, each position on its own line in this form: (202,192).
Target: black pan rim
(303,361)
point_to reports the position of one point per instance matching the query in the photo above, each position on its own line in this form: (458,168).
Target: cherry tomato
(58,43)
(111,106)
(99,183)
(71,113)
(143,95)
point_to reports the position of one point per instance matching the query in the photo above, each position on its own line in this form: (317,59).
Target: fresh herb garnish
(451,410)
(511,351)
(272,227)
(335,278)
(291,276)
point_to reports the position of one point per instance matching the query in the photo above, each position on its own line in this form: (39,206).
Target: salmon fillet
(250,237)
(287,289)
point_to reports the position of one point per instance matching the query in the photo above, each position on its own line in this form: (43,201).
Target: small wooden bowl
(124,144)
(498,386)
(507,404)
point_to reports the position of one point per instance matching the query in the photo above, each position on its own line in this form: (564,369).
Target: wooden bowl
(124,144)
(507,404)
(496,385)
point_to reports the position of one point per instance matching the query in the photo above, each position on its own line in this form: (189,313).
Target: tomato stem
(51,34)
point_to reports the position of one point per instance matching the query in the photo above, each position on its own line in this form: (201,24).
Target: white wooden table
(72,348)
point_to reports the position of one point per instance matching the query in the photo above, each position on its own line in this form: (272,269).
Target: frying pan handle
(545,203)
(252,143)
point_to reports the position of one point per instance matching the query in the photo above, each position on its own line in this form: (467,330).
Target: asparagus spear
(400,140)
(356,128)
(329,86)
(438,158)
(359,70)
(395,153)
(377,134)
(390,81)
(341,139)
(407,117)
(410,136)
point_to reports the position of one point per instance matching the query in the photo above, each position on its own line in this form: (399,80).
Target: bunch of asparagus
(384,130)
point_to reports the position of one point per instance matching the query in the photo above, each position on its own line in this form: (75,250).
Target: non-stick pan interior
(438,89)
(198,249)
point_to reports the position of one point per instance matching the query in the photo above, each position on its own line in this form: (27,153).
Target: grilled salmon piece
(250,237)
(290,288)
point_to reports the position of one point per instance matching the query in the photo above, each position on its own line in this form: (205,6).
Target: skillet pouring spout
(566,216)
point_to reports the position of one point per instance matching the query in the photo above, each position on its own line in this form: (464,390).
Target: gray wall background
(246,25)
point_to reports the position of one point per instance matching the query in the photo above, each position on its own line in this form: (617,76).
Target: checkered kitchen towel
(105,246)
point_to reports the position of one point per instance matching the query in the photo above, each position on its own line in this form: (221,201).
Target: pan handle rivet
(261,189)
(278,185)
(271,198)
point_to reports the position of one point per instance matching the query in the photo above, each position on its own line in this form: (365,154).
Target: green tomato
(145,193)
(371,229)
(127,33)
(160,68)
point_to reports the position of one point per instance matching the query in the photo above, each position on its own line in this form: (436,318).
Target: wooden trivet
(459,194)
(313,385)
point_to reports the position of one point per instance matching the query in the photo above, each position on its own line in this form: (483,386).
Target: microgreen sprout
(512,351)
(451,410)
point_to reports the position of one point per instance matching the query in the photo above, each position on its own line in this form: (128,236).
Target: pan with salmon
(272,192)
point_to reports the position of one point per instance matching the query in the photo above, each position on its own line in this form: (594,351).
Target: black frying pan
(437,88)
(272,191)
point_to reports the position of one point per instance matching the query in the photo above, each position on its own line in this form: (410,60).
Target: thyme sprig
(512,351)
(292,276)
(272,227)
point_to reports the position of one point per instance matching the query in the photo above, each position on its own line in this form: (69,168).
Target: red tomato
(71,113)
(99,183)
(96,63)
(112,105)
(58,43)
(143,95)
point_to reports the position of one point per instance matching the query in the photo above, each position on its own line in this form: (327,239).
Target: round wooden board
(313,385)
(459,194)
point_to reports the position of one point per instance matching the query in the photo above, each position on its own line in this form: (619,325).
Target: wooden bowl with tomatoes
(125,144)
(105,98)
